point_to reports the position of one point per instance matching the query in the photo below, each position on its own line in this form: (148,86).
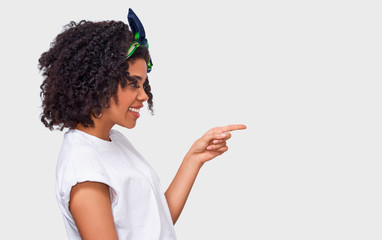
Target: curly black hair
(82,71)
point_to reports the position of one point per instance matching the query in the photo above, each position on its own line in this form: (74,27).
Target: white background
(304,76)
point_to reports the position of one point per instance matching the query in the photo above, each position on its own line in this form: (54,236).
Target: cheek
(125,101)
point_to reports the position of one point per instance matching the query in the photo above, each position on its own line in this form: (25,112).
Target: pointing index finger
(233,127)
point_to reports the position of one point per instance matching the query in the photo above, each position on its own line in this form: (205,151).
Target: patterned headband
(140,36)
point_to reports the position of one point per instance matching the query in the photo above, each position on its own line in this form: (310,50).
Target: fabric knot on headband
(139,35)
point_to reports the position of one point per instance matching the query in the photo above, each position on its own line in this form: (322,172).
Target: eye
(134,84)
(132,81)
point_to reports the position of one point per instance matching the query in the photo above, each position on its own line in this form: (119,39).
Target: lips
(135,110)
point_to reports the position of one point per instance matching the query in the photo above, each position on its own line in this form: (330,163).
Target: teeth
(134,110)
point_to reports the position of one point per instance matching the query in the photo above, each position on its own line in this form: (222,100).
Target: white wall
(304,76)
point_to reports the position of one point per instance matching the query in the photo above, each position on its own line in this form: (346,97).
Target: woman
(96,77)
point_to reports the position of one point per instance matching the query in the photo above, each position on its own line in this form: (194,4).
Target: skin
(90,202)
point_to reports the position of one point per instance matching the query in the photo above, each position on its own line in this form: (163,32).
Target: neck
(100,129)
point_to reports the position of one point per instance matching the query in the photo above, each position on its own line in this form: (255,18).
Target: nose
(142,96)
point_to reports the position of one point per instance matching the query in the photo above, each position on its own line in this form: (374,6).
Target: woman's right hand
(213,143)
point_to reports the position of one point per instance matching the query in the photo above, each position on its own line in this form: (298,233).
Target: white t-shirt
(139,206)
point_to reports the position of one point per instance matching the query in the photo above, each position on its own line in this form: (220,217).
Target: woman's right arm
(90,206)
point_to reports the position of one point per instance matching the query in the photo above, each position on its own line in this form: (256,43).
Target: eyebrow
(138,77)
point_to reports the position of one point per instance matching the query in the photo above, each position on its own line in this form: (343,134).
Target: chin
(128,125)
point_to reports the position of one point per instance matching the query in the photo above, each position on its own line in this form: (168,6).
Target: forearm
(180,187)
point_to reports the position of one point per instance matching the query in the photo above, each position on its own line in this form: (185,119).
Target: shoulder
(78,159)
(77,150)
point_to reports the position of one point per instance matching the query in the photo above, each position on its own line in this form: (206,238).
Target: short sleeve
(84,164)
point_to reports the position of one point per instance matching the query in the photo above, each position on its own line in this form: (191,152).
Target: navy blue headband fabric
(137,27)
(139,36)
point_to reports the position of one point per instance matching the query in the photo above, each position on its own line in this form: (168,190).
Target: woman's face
(130,99)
